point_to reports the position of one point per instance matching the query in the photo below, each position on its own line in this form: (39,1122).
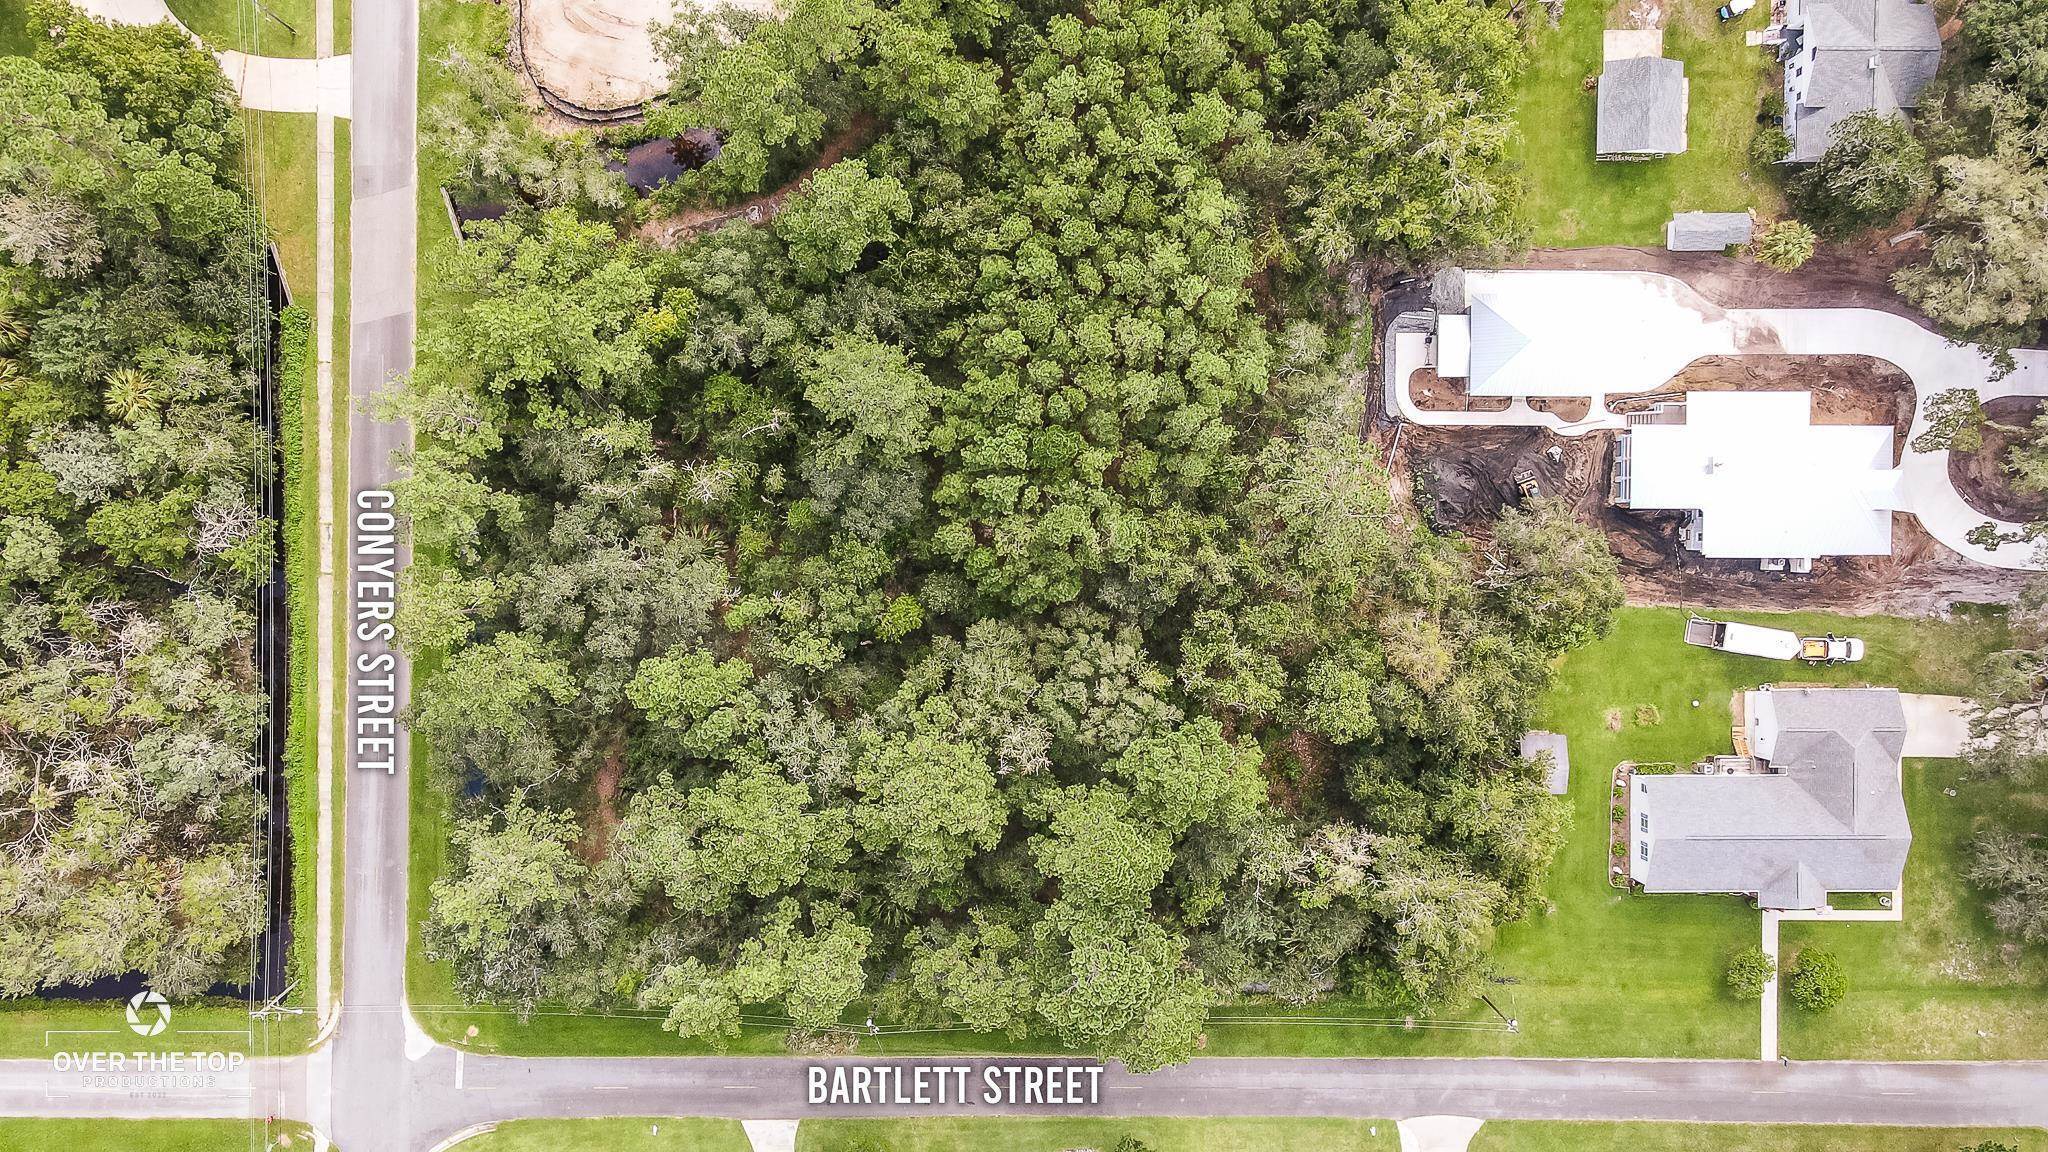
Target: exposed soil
(667,231)
(596,841)
(1839,275)
(1980,477)
(1463,477)
(1433,393)
(1570,409)
(1846,389)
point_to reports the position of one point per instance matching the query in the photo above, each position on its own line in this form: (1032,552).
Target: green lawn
(1599,974)
(1609,974)
(258,27)
(1014,1135)
(151,1135)
(1565,1136)
(1940,984)
(1576,201)
(624,1134)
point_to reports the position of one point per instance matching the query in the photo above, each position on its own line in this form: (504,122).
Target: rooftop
(1766,481)
(1642,105)
(1868,56)
(1830,817)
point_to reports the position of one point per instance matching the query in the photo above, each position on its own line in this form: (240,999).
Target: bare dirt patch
(1846,389)
(1433,393)
(1980,477)
(1839,275)
(1463,477)
(668,231)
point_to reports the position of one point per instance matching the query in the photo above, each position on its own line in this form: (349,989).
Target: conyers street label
(373,564)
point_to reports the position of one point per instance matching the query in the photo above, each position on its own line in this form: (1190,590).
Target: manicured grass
(152,1135)
(254,26)
(624,1134)
(1603,973)
(1016,1135)
(281,144)
(1600,973)
(1577,201)
(1940,984)
(1566,1136)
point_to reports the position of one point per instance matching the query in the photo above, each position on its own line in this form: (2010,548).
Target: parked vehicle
(1734,8)
(1771,643)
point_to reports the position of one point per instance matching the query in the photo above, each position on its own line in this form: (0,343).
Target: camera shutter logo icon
(148,1013)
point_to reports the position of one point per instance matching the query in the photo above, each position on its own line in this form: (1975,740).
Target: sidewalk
(264,83)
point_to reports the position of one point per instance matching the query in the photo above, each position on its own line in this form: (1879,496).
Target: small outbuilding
(1557,776)
(1642,107)
(1708,231)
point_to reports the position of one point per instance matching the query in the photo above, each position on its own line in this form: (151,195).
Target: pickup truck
(1771,643)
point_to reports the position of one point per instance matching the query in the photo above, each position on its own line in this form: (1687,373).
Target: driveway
(1934,364)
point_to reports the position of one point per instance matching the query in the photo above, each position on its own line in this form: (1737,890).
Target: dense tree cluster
(2009,730)
(1986,278)
(966,596)
(130,535)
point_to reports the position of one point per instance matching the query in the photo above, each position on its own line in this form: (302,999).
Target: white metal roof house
(1843,57)
(1559,333)
(1641,109)
(1815,807)
(1760,479)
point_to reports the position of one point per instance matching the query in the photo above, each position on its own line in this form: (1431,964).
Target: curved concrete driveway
(265,83)
(1934,365)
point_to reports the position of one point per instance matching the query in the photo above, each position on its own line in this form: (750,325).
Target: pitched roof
(1707,231)
(1641,107)
(1868,56)
(1494,343)
(1830,818)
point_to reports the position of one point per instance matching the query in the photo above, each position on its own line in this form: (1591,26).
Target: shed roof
(1707,231)
(1641,107)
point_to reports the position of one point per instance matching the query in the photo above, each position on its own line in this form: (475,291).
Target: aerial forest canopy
(965,596)
(131,542)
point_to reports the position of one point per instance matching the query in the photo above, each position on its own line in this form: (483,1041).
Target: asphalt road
(368,1102)
(443,1093)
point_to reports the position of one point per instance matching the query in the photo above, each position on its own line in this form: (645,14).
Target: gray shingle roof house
(1843,57)
(1820,810)
(1707,231)
(1642,104)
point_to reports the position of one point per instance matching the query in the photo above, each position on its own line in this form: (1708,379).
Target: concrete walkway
(770,1135)
(1937,727)
(1934,364)
(1437,1133)
(264,83)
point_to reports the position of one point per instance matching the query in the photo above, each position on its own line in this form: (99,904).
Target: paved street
(432,1105)
(371,1105)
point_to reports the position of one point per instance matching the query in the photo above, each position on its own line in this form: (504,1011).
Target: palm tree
(131,393)
(13,329)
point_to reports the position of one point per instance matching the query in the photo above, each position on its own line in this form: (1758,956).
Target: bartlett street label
(991,1085)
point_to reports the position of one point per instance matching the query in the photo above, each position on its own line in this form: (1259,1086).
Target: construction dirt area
(595,59)
(1462,478)
(1981,477)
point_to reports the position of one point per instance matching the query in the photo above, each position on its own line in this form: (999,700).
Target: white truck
(1771,643)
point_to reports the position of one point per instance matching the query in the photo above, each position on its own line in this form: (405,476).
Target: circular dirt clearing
(1980,477)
